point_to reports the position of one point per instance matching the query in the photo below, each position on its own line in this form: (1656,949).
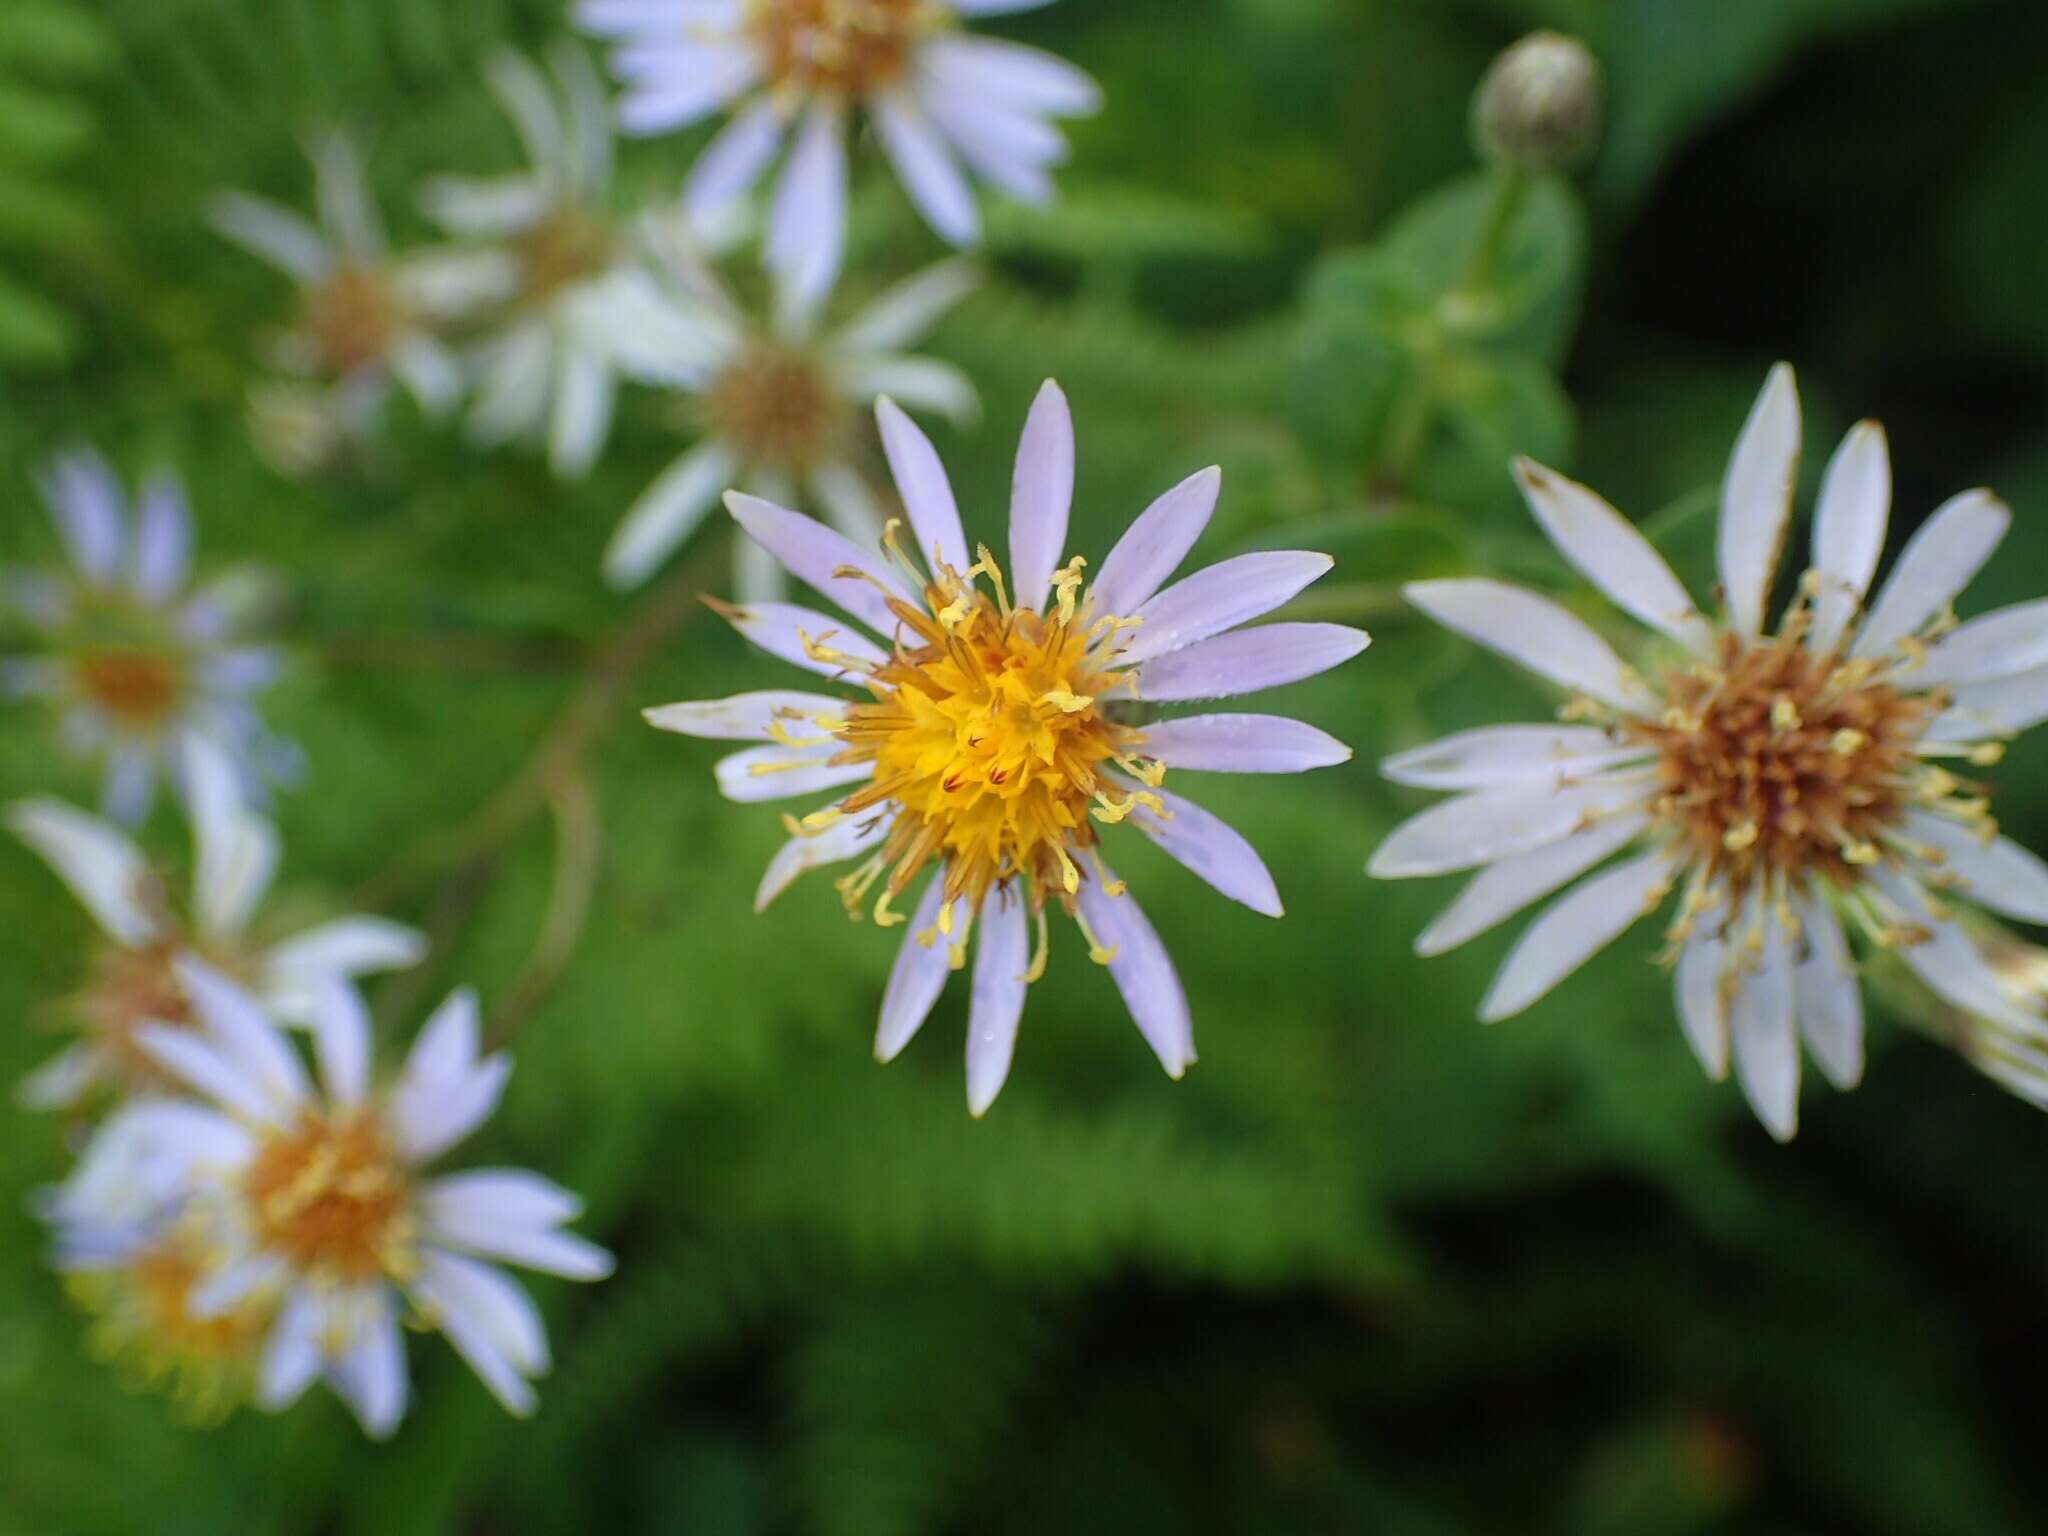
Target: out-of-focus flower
(2010,1047)
(1538,109)
(997,729)
(802,68)
(131,656)
(776,406)
(583,307)
(1787,782)
(133,979)
(324,1188)
(140,1230)
(366,316)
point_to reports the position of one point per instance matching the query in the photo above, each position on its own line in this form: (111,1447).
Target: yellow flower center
(330,1196)
(139,689)
(992,738)
(845,48)
(777,407)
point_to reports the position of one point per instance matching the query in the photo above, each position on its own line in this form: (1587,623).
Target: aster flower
(324,1186)
(1805,790)
(365,317)
(999,727)
(776,404)
(583,306)
(803,68)
(140,1231)
(133,977)
(131,656)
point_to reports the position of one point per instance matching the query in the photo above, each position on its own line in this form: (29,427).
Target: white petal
(1153,547)
(163,540)
(921,482)
(105,871)
(1760,1022)
(445,1091)
(348,946)
(236,852)
(1575,928)
(1143,973)
(732,162)
(1936,564)
(430,374)
(271,233)
(370,1375)
(1703,984)
(918,976)
(1249,661)
(1018,77)
(245,1034)
(808,851)
(782,773)
(491,1322)
(1218,598)
(512,398)
(1001,957)
(1502,889)
(510,1214)
(1946,959)
(694,81)
(1756,500)
(667,513)
(849,505)
(1509,754)
(63,1080)
(814,554)
(901,315)
(2001,708)
(1489,824)
(1612,553)
(1242,744)
(291,1357)
(2001,644)
(781,629)
(807,224)
(86,503)
(1999,874)
(341,188)
(930,175)
(1211,849)
(187,1056)
(485,209)
(589,116)
(1041,496)
(924,383)
(749,716)
(1010,149)
(1535,633)
(130,787)
(341,1042)
(1830,1004)
(584,391)
(1848,529)
(522,90)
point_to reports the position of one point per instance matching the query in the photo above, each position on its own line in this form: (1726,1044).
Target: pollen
(993,732)
(138,688)
(1778,762)
(330,1196)
(777,407)
(846,48)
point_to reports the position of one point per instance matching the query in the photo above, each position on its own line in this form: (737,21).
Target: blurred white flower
(802,68)
(583,306)
(995,735)
(776,404)
(324,1185)
(366,316)
(1787,782)
(133,975)
(131,656)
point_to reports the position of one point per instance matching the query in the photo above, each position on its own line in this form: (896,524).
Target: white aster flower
(777,407)
(997,728)
(324,1185)
(366,316)
(583,307)
(133,658)
(1794,785)
(801,69)
(133,978)
(139,1233)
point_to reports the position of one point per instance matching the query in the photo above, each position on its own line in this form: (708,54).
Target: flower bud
(1538,109)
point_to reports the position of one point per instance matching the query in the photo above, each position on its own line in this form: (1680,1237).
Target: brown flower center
(352,318)
(138,688)
(846,48)
(567,246)
(777,407)
(330,1195)
(1777,761)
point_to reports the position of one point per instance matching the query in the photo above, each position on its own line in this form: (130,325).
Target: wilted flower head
(324,1188)
(365,316)
(1538,109)
(133,978)
(777,403)
(132,658)
(581,306)
(1801,788)
(999,729)
(936,96)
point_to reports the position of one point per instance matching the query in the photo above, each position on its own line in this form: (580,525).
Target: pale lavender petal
(815,850)
(675,98)
(163,540)
(783,630)
(246,1035)
(1020,78)
(918,976)
(778,714)
(1153,547)
(732,162)
(921,482)
(85,500)
(1002,955)
(1218,598)
(490,1321)
(807,224)
(130,787)
(370,1375)
(782,773)
(341,1041)
(1249,660)
(812,553)
(1242,744)
(1143,973)
(929,173)
(1041,497)
(1211,849)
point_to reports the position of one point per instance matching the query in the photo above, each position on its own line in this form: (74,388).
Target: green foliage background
(1371,1267)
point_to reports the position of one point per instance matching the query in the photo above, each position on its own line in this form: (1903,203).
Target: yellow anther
(1862,855)
(1987,754)
(1042,952)
(1738,839)
(1785,715)
(1066,703)
(1847,742)
(884,918)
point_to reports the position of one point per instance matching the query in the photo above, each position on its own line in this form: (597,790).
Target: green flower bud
(1538,109)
